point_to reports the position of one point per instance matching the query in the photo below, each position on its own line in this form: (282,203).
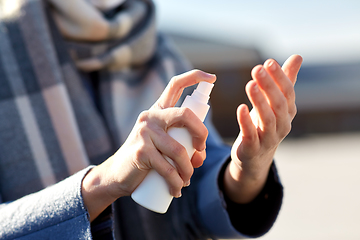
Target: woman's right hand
(145,146)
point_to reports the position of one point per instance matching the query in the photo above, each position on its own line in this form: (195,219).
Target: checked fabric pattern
(57,115)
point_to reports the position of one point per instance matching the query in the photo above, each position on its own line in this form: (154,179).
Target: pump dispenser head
(202,92)
(198,100)
(205,88)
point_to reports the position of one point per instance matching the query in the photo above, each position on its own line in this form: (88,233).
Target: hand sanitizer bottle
(153,192)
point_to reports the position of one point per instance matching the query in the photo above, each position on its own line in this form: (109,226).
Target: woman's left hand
(272,95)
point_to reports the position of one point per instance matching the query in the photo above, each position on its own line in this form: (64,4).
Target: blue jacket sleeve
(219,215)
(55,211)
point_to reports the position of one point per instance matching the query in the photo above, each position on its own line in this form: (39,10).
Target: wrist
(240,186)
(95,192)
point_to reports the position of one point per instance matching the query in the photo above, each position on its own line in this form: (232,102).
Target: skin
(272,95)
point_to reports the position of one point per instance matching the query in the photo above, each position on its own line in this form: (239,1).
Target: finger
(174,153)
(247,127)
(283,83)
(178,117)
(194,125)
(267,121)
(146,157)
(275,97)
(198,158)
(292,66)
(168,172)
(155,124)
(174,89)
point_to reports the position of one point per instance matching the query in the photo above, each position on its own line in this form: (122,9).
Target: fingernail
(271,65)
(179,195)
(209,75)
(261,72)
(187,183)
(256,88)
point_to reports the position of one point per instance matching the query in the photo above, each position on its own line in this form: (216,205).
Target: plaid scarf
(70,93)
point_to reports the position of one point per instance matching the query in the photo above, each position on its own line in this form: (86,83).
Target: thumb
(292,66)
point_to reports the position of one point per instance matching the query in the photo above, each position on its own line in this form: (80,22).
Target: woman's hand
(144,149)
(272,95)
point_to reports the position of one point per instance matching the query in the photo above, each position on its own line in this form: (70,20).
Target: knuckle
(270,120)
(289,92)
(196,72)
(170,171)
(178,150)
(157,105)
(142,150)
(285,129)
(200,139)
(250,138)
(187,173)
(183,115)
(205,132)
(144,125)
(142,130)
(173,177)
(174,79)
(186,113)
(174,82)
(280,105)
(143,116)
(288,128)
(293,112)
(178,184)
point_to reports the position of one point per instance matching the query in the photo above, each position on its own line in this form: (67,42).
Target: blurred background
(319,160)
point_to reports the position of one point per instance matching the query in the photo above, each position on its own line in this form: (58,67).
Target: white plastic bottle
(153,193)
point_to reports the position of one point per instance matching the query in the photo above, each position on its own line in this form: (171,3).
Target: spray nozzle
(202,92)
(205,88)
